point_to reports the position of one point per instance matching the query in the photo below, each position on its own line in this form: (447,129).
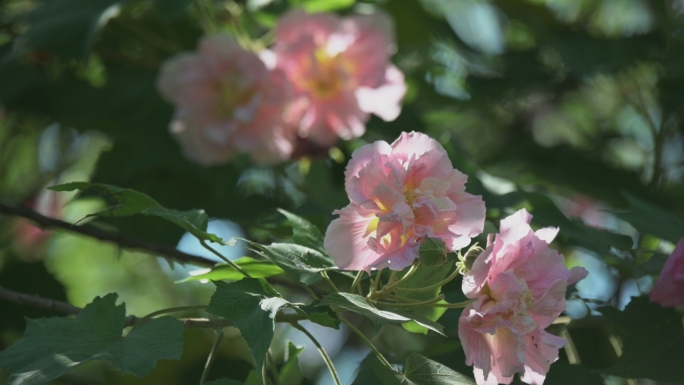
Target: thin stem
(400,299)
(413,304)
(356,281)
(212,355)
(146,318)
(324,354)
(368,342)
(228,261)
(435,286)
(271,365)
(376,283)
(391,286)
(327,279)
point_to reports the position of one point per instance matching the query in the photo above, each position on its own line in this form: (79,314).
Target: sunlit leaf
(360,305)
(300,263)
(223,271)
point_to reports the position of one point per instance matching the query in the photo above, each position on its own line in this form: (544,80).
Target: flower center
(234,99)
(328,75)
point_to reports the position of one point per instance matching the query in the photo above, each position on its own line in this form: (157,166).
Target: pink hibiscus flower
(518,285)
(340,71)
(227,101)
(669,289)
(400,194)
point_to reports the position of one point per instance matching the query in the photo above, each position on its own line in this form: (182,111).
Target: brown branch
(69,309)
(36,301)
(90,231)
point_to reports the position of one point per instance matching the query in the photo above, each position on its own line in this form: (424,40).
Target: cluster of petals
(340,71)
(518,286)
(322,79)
(401,194)
(668,291)
(227,101)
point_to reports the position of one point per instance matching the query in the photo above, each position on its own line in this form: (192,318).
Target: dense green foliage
(573,110)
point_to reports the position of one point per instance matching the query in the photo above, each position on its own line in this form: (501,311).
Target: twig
(212,355)
(40,302)
(93,232)
(324,354)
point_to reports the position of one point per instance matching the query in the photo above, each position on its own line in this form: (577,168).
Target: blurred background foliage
(570,108)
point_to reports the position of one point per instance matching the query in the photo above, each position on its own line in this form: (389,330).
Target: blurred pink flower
(341,72)
(591,211)
(401,194)
(669,289)
(518,285)
(227,101)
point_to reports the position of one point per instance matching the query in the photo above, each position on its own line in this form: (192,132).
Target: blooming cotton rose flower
(518,285)
(340,71)
(400,194)
(669,289)
(226,101)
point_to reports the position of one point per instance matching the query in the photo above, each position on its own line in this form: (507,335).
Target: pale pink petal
(577,274)
(541,350)
(414,144)
(364,155)
(385,100)
(346,239)
(373,43)
(668,291)
(509,352)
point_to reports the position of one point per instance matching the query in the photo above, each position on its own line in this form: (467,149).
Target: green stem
(212,355)
(324,274)
(324,354)
(374,287)
(228,261)
(357,280)
(146,318)
(389,288)
(271,365)
(413,304)
(435,286)
(370,344)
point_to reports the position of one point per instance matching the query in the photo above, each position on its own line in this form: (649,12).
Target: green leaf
(223,381)
(322,315)
(51,347)
(313,6)
(424,277)
(68,28)
(653,340)
(223,271)
(305,233)
(125,202)
(360,305)
(648,218)
(289,373)
(172,9)
(418,370)
(252,305)
(300,263)
(433,252)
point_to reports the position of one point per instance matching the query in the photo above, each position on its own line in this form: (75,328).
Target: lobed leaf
(51,347)
(252,305)
(299,262)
